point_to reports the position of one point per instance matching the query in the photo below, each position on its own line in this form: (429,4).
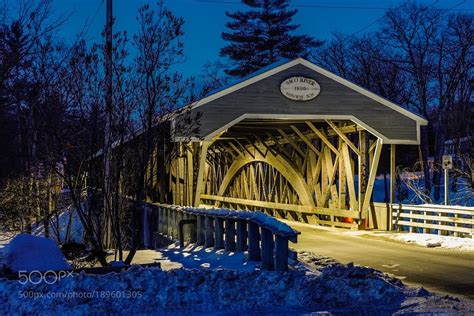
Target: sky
(205,20)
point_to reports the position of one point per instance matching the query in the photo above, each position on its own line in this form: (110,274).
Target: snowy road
(436,269)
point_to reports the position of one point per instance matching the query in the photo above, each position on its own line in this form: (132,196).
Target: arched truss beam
(295,179)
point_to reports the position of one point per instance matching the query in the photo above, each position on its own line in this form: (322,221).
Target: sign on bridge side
(300,88)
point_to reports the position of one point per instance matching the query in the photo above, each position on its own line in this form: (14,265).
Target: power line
(379,19)
(321,6)
(383,16)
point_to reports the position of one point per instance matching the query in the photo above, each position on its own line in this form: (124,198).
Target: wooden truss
(318,172)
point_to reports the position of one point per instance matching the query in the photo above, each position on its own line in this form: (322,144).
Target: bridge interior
(297,169)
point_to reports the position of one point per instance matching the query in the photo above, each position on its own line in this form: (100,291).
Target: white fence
(434,219)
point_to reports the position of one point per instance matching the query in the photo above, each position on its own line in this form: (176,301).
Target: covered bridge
(293,140)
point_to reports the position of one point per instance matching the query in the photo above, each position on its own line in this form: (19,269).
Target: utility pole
(108,123)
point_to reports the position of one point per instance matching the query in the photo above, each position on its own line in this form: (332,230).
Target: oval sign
(300,88)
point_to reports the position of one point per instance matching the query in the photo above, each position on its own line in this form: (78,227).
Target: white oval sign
(300,88)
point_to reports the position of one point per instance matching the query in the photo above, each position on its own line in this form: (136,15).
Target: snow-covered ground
(66,227)
(464,195)
(193,257)
(431,240)
(205,281)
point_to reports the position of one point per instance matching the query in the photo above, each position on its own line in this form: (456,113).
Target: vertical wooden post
(209,232)
(230,235)
(393,165)
(342,178)
(241,236)
(372,175)
(193,230)
(190,172)
(166,220)
(160,220)
(350,177)
(267,249)
(186,228)
(200,177)
(218,233)
(281,253)
(201,238)
(179,217)
(254,242)
(174,214)
(362,171)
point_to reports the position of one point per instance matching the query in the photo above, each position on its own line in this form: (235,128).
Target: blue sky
(205,20)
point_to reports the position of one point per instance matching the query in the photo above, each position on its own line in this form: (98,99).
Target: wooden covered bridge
(294,141)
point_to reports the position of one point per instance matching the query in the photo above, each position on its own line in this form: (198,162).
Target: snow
(27,252)
(58,227)
(318,284)
(262,219)
(464,195)
(430,240)
(194,257)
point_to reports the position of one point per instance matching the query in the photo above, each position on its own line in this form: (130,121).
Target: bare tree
(421,58)
(159,91)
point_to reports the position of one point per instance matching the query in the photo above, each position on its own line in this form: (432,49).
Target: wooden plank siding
(264,97)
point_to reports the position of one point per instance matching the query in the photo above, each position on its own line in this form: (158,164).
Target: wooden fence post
(201,238)
(193,229)
(281,253)
(174,215)
(241,236)
(160,219)
(219,233)
(229,235)
(209,232)
(166,221)
(267,249)
(254,242)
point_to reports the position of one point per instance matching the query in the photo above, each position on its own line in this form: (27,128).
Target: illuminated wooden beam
(350,177)
(306,140)
(343,136)
(291,142)
(202,164)
(322,136)
(372,175)
(237,150)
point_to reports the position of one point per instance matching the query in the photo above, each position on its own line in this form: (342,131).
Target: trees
(436,51)
(61,112)
(157,92)
(262,36)
(421,58)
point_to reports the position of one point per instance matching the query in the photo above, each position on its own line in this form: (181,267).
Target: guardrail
(430,218)
(265,238)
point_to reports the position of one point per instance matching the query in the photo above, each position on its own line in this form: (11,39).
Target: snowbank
(430,240)
(323,285)
(27,252)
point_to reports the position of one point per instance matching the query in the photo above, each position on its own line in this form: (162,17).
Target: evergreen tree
(262,36)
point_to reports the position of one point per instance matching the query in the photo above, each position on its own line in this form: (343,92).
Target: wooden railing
(301,209)
(429,218)
(265,238)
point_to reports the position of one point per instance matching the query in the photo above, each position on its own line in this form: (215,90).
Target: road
(436,269)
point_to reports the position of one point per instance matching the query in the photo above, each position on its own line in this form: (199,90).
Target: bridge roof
(259,97)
